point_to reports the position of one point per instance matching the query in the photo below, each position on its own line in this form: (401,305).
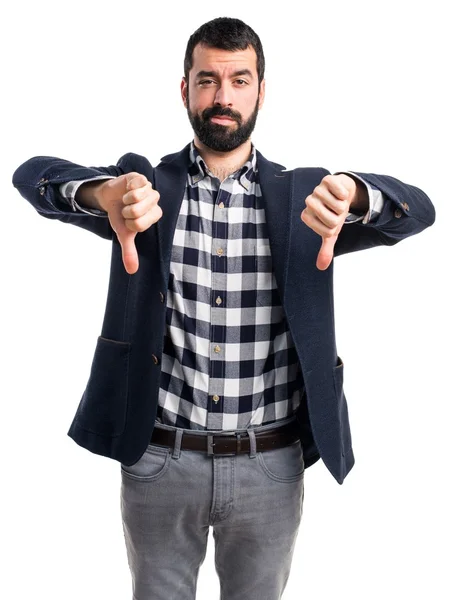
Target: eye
(205,81)
(243,81)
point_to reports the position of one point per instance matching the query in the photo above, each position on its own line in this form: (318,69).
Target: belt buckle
(211,446)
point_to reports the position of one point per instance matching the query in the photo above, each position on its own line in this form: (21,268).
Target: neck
(222,164)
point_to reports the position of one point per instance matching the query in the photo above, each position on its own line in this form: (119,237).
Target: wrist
(360,201)
(89,196)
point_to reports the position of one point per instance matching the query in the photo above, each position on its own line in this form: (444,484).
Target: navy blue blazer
(117,411)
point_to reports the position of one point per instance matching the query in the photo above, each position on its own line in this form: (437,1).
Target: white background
(350,86)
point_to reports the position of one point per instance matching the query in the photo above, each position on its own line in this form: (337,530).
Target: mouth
(222,120)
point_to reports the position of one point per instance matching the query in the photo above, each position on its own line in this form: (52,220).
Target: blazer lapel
(276,188)
(170,178)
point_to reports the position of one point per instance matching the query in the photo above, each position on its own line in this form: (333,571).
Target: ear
(262,94)
(183,89)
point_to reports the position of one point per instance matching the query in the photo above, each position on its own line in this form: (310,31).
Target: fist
(326,210)
(132,206)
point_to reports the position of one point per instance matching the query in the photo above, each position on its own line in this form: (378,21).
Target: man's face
(225,84)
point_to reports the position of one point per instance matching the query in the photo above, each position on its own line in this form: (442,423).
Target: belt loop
(239,443)
(210,444)
(177,443)
(252,437)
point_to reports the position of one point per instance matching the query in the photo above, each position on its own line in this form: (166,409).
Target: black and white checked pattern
(229,359)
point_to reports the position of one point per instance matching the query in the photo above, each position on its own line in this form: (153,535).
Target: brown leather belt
(228,445)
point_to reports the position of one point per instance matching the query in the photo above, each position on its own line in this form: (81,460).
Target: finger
(335,186)
(313,221)
(323,194)
(326,253)
(142,223)
(316,206)
(129,251)
(137,195)
(136,180)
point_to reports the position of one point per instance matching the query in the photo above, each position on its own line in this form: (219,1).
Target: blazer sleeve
(406,211)
(39,179)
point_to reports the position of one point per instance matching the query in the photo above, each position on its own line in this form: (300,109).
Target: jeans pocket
(154,462)
(283,464)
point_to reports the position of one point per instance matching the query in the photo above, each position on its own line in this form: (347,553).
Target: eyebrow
(215,73)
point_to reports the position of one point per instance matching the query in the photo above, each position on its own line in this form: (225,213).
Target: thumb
(139,180)
(326,252)
(129,251)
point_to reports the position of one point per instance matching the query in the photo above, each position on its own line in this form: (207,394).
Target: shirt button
(218,300)
(221,205)
(215,398)
(217,349)
(397,213)
(220,251)
(155,359)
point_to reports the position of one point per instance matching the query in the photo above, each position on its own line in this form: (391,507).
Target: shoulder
(133,162)
(297,171)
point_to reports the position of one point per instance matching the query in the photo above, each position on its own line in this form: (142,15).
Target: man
(215,380)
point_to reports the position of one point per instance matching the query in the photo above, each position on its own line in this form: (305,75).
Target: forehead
(223,61)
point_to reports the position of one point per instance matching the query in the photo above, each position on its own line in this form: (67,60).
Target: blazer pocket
(102,409)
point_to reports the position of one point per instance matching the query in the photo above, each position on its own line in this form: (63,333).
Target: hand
(326,210)
(132,206)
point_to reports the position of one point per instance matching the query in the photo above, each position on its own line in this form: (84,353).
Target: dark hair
(225,33)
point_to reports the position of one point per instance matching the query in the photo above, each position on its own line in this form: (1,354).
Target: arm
(370,201)
(80,195)
(40,179)
(396,210)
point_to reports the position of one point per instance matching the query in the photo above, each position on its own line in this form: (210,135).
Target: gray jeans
(253,502)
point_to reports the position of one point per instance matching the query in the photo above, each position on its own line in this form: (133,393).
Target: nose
(223,97)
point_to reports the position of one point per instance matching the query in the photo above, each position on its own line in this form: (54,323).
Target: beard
(222,138)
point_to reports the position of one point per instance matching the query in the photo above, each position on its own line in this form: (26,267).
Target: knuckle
(140,224)
(136,195)
(157,212)
(133,211)
(154,197)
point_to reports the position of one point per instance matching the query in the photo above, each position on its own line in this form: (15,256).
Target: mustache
(220,112)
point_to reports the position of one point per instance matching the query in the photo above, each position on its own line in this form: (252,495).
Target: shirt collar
(198,168)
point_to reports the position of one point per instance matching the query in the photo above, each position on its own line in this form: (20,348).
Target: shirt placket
(218,309)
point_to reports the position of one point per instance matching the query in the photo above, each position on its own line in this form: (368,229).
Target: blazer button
(162,297)
(405,206)
(42,190)
(155,359)
(397,213)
